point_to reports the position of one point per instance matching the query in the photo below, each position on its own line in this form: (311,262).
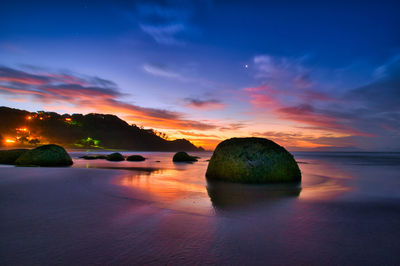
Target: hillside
(23,128)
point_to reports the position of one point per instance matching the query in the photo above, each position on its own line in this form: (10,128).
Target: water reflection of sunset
(169,187)
(184,186)
(164,184)
(186,189)
(322,180)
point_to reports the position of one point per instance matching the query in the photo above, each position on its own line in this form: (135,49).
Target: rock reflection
(229,196)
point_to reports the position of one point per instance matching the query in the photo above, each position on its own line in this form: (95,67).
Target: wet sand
(344,212)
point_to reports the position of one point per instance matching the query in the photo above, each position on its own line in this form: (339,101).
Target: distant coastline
(21,128)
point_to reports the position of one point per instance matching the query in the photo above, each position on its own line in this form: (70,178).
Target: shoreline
(78,215)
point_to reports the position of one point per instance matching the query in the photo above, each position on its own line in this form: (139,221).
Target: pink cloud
(93,94)
(295,105)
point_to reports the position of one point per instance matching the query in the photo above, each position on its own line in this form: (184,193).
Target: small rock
(135,158)
(115,157)
(183,157)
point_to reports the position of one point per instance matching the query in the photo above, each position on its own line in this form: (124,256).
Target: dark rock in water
(115,157)
(93,157)
(135,158)
(10,156)
(158,161)
(46,155)
(183,157)
(252,160)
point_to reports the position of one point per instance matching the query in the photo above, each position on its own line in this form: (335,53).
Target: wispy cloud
(319,119)
(274,68)
(297,106)
(382,94)
(288,90)
(185,74)
(204,104)
(161,71)
(194,134)
(88,93)
(299,140)
(168,22)
(233,126)
(165,34)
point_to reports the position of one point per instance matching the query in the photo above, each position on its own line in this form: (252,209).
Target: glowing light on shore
(24,129)
(68,119)
(9,141)
(29,117)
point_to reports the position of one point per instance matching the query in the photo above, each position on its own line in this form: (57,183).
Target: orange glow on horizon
(209,133)
(9,141)
(308,144)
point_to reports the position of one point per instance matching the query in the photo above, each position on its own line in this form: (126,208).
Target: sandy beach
(164,213)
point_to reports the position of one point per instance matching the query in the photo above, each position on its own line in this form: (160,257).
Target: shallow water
(345,211)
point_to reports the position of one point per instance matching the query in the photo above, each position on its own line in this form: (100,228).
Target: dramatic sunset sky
(307,74)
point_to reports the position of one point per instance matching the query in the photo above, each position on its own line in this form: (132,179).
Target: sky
(310,75)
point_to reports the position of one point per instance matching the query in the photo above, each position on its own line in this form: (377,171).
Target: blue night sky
(307,74)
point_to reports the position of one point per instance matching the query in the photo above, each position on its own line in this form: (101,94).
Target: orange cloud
(28,81)
(93,95)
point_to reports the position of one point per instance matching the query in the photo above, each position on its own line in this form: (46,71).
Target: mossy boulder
(10,156)
(115,157)
(46,155)
(183,157)
(252,160)
(93,157)
(135,158)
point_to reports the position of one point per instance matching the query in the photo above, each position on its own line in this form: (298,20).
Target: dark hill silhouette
(82,131)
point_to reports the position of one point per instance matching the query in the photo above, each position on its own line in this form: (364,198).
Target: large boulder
(10,156)
(183,157)
(135,158)
(252,160)
(46,155)
(115,157)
